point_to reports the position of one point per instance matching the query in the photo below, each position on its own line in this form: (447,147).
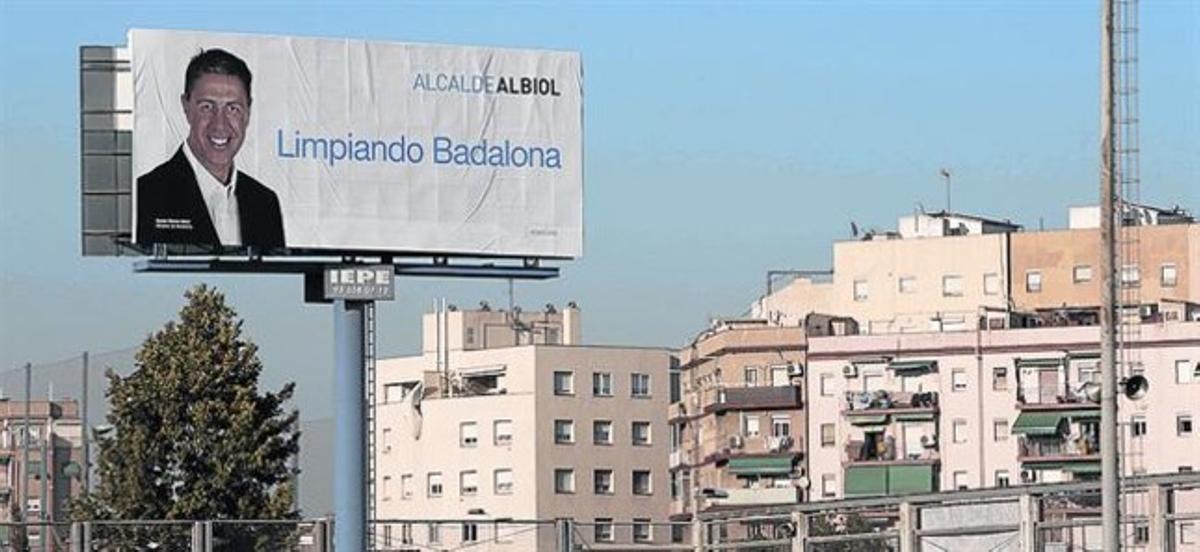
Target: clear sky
(722,140)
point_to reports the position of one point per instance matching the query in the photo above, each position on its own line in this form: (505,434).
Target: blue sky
(722,140)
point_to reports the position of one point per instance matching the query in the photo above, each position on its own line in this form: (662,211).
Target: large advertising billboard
(311,144)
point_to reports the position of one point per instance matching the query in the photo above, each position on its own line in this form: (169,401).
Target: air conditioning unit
(795,370)
(736,442)
(1028,476)
(929,441)
(781,443)
(850,371)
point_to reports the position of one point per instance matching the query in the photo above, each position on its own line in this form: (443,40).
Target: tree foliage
(193,437)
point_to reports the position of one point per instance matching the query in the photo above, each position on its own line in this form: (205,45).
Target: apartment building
(515,420)
(947,272)
(737,432)
(41,467)
(937,272)
(902,414)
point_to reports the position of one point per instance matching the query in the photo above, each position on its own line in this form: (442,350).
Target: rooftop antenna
(946,176)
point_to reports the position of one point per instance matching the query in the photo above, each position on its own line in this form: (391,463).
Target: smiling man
(198,196)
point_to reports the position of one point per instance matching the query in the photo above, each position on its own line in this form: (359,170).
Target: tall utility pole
(1109,474)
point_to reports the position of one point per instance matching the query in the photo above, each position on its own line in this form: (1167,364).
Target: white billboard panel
(285,143)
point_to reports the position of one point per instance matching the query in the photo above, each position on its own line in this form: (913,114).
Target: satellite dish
(1090,391)
(1135,387)
(803,482)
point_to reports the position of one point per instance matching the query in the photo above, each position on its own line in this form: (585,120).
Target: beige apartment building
(52,464)
(947,272)
(916,413)
(937,272)
(737,435)
(514,421)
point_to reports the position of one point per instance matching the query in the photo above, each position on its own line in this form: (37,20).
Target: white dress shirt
(221,200)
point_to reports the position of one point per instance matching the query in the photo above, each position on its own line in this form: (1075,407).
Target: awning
(913,366)
(868,419)
(1039,362)
(1039,423)
(1082,468)
(763,465)
(913,417)
(481,371)
(866,480)
(1082,413)
(910,479)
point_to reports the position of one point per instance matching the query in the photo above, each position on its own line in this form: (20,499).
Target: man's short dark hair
(217,62)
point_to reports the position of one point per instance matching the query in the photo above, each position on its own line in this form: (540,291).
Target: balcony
(1052,397)
(1057,450)
(784,397)
(760,496)
(863,453)
(875,407)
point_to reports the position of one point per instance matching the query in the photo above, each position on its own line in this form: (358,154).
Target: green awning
(1082,468)
(763,465)
(913,417)
(868,419)
(901,366)
(1038,423)
(1082,413)
(1039,362)
(910,479)
(866,480)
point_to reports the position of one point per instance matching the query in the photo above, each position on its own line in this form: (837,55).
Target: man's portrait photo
(198,196)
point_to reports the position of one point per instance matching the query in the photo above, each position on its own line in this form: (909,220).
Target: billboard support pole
(349,496)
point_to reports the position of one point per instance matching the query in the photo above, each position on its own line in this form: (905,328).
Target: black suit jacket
(171,209)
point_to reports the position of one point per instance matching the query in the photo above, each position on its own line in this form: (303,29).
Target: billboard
(292,144)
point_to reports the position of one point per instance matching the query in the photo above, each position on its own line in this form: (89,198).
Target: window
(828,435)
(502,481)
(602,482)
(602,433)
(781,425)
(861,290)
(1141,533)
(564,432)
(1185,372)
(470,336)
(641,482)
(1033,281)
(564,481)
(603,530)
(959,430)
(952,286)
(958,380)
(406,533)
(552,336)
(435,533)
(1183,425)
(1137,426)
(564,383)
(393,392)
(602,384)
(1169,275)
(1089,372)
(502,432)
(908,284)
(750,376)
(1002,478)
(385,439)
(780,377)
(750,425)
(1000,378)
(639,385)
(470,532)
(468,434)
(828,485)
(960,480)
(1131,276)
(826,385)
(1081,274)
(468,483)
(406,486)
(1188,533)
(991,284)
(434,488)
(1000,430)
(640,433)
(387,487)
(641,530)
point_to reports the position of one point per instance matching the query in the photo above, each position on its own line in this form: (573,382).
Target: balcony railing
(765,495)
(784,397)
(859,452)
(1052,397)
(1086,448)
(879,402)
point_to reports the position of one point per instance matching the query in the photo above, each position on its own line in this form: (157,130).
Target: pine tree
(194,437)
